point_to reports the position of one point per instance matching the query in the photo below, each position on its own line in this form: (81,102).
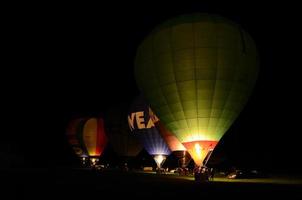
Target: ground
(85,184)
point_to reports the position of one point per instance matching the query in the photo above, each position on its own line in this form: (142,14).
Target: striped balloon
(87,136)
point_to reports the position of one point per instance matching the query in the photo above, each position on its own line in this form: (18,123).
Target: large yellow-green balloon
(197,71)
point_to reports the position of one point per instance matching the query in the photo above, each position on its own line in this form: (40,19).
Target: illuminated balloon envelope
(143,127)
(124,143)
(173,143)
(197,72)
(87,138)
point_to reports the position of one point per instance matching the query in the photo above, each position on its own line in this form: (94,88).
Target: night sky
(67,61)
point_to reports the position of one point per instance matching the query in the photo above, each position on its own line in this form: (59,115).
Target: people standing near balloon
(212,173)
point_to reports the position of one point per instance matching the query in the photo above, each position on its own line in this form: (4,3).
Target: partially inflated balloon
(197,71)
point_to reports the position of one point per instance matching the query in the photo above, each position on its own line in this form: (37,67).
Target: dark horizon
(80,63)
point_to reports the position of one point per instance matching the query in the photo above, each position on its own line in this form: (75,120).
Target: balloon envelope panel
(172,142)
(94,136)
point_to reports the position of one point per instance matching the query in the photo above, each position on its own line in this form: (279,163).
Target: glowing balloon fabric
(87,136)
(173,143)
(197,71)
(143,127)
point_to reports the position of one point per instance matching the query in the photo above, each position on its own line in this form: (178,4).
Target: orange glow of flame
(199,150)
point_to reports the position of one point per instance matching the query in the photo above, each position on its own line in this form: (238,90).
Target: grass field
(274,179)
(86,184)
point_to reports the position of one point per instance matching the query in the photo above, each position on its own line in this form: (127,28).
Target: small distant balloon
(87,137)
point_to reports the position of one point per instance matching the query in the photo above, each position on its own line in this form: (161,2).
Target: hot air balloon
(87,138)
(197,72)
(143,127)
(124,143)
(173,143)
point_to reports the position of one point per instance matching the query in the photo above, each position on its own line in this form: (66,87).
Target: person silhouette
(197,173)
(212,173)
